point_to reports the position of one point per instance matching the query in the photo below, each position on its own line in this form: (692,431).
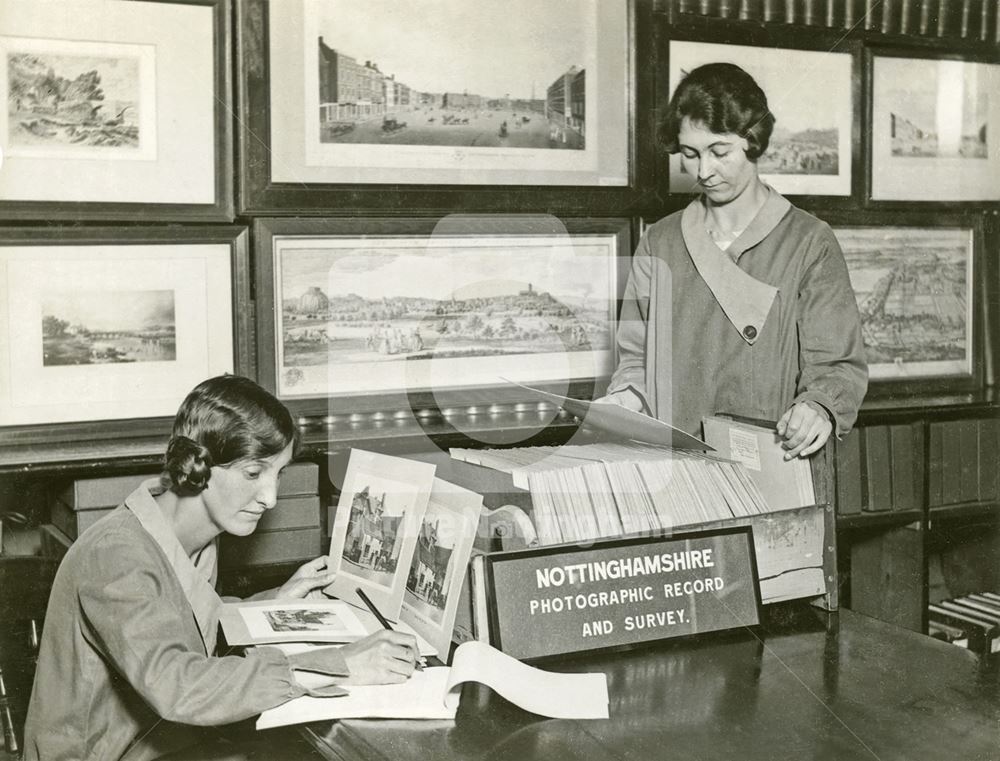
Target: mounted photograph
(375,528)
(935,129)
(810,151)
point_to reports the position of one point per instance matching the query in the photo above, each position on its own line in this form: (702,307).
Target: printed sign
(622,592)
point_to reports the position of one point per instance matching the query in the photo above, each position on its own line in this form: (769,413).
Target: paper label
(744,448)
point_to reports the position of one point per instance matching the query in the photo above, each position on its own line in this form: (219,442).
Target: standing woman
(127,662)
(740,303)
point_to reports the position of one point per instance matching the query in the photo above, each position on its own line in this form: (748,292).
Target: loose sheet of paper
(434,693)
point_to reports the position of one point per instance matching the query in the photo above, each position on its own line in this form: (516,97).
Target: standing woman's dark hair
(725,100)
(222,420)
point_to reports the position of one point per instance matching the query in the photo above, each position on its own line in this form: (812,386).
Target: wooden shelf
(966,511)
(887,518)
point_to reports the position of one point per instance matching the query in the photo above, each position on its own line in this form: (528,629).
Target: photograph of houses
(374,532)
(70,101)
(303,620)
(913,290)
(450,73)
(427,584)
(108,326)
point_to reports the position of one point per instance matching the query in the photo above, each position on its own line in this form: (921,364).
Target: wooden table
(811,686)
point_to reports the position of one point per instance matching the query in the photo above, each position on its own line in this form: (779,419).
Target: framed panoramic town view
(811,148)
(914,284)
(362,314)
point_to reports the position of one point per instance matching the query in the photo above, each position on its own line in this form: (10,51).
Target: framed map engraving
(111,328)
(935,129)
(363,314)
(915,289)
(114,110)
(811,147)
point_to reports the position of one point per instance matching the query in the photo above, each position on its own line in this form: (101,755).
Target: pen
(382,619)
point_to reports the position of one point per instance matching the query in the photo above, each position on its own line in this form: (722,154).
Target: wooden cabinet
(918,506)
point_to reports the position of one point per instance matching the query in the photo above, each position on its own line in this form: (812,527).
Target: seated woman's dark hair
(222,420)
(725,100)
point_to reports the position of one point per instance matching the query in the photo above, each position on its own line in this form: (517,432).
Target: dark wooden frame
(117,430)
(221,210)
(871,52)
(363,411)
(707,30)
(892,387)
(259,195)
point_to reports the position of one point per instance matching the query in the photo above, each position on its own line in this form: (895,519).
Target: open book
(620,421)
(434,693)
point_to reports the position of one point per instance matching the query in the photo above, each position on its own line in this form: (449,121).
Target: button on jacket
(769,322)
(125,658)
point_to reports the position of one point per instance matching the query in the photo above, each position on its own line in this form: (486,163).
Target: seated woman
(128,655)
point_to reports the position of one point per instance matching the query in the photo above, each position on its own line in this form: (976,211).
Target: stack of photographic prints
(595,491)
(403,537)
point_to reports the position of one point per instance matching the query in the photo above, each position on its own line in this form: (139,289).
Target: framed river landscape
(111,328)
(914,283)
(379,314)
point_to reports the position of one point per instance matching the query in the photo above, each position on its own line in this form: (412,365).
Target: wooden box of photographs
(538,497)
(288,532)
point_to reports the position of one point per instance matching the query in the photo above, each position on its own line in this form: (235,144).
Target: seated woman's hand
(805,427)
(310,576)
(385,657)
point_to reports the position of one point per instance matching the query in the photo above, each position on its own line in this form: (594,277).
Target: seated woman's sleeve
(632,322)
(139,628)
(834,372)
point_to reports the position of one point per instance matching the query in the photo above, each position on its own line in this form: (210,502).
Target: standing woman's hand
(309,576)
(805,427)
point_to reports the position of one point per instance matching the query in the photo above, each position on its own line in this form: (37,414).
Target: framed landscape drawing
(113,326)
(812,96)
(114,110)
(379,314)
(935,129)
(915,286)
(448,95)
(375,529)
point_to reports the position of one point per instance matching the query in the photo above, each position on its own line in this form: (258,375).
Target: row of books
(964,19)
(592,491)
(971,621)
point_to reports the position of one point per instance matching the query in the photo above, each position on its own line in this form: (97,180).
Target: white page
(434,693)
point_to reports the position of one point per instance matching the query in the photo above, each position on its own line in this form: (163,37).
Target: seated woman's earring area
(128,659)
(740,303)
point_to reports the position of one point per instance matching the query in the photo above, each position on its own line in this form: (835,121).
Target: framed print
(383,314)
(438,571)
(111,328)
(935,129)
(375,529)
(112,110)
(366,103)
(811,148)
(915,285)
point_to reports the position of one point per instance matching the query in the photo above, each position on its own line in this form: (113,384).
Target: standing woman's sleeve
(833,369)
(139,630)
(632,329)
